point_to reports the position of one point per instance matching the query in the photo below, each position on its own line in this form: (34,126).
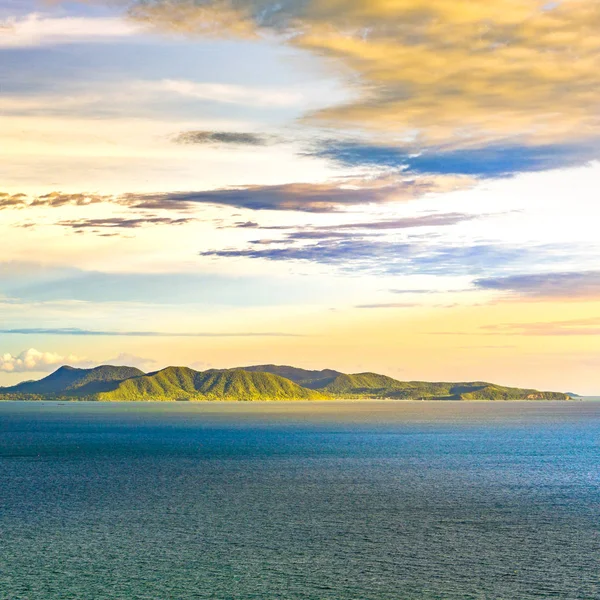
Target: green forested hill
(303,377)
(69,380)
(263,382)
(498,392)
(182,383)
(373,385)
(362,383)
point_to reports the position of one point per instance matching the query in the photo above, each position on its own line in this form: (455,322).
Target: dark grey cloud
(307,197)
(122,223)
(334,251)
(582,284)
(228,138)
(246,225)
(89,332)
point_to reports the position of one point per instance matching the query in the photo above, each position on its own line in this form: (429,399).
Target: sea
(364,500)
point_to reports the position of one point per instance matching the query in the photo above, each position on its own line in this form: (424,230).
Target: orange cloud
(445,71)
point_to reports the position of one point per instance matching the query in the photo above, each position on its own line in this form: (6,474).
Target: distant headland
(256,383)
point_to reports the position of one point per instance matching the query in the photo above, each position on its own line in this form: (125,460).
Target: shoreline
(332,401)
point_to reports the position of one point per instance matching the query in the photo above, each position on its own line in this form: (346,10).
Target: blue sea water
(345,501)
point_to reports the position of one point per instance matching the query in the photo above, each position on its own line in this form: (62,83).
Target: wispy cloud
(565,285)
(39,30)
(356,230)
(389,305)
(52,199)
(122,223)
(416,291)
(126,359)
(90,332)
(228,93)
(360,254)
(426,220)
(575,327)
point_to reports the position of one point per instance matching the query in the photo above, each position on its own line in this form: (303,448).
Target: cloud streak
(387,256)
(51,200)
(565,285)
(73,331)
(304,197)
(122,223)
(351,231)
(389,305)
(288,197)
(229,93)
(575,327)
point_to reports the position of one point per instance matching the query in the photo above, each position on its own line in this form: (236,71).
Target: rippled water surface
(356,500)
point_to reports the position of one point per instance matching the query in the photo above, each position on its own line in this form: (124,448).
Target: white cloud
(200,365)
(37,30)
(33,360)
(230,93)
(131,360)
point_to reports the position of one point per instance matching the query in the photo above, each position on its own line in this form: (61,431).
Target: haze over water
(344,500)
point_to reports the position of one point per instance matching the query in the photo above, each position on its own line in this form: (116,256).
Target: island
(109,383)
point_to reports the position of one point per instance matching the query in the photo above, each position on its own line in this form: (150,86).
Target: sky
(402,186)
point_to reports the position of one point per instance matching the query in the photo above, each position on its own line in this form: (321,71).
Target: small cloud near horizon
(222,138)
(34,361)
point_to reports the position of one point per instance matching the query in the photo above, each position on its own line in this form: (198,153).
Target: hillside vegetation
(359,384)
(72,380)
(303,377)
(257,383)
(181,383)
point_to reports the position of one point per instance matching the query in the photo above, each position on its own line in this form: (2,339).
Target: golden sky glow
(402,186)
